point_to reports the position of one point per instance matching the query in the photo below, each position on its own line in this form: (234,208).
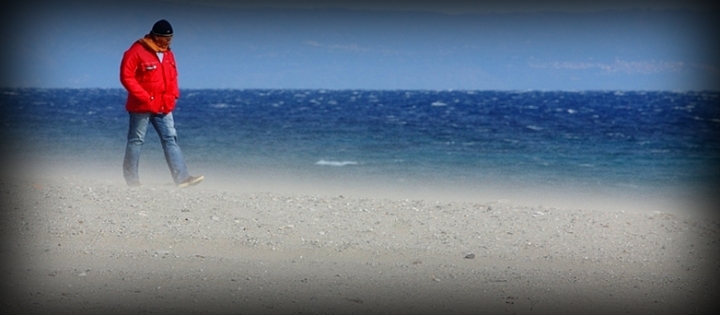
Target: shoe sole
(193,182)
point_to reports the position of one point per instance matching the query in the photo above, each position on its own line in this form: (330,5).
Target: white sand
(84,243)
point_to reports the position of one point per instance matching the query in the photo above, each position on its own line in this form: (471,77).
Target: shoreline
(86,243)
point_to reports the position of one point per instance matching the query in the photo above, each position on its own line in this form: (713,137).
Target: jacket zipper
(162,96)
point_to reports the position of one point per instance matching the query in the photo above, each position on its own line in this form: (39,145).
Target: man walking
(149,74)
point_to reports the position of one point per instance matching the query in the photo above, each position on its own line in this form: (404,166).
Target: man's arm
(128,67)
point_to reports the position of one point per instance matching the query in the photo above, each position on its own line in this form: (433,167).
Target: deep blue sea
(643,141)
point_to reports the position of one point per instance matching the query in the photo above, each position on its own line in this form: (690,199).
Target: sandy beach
(80,243)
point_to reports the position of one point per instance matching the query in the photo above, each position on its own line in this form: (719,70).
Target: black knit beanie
(162,28)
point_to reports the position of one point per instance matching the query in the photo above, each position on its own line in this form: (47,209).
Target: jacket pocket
(169,102)
(148,71)
(172,71)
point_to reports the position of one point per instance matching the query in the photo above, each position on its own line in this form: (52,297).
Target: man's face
(162,41)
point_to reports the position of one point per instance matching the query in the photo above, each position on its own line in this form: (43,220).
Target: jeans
(165,127)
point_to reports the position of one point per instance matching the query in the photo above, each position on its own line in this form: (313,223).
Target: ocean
(652,143)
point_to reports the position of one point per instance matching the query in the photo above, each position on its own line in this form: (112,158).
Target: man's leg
(135,139)
(165,127)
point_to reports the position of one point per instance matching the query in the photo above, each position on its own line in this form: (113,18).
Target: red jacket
(152,85)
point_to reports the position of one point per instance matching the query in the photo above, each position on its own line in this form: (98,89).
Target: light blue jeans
(165,127)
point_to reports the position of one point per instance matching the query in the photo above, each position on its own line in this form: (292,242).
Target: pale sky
(478,45)
(462,6)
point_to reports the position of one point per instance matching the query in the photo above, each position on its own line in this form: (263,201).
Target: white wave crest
(335,163)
